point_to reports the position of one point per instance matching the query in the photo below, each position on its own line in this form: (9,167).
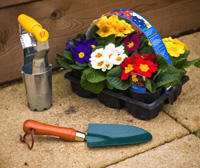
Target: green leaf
(182,72)
(119,40)
(143,41)
(162,62)
(134,52)
(171,75)
(76,67)
(64,63)
(97,48)
(94,75)
(195,62)
(84,65)
(125,49)
(102,41)
(147,49)
(150,85)
(159,71)
(61,55)
(114,79)
(109,86)
(93,87)
(180,61)
(68,55)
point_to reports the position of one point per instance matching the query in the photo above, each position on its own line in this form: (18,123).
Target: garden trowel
(98,134)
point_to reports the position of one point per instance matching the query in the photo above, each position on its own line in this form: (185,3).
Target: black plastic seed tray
(76,86)
(120,99)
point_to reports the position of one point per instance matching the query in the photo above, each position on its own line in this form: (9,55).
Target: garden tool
(36,71)
(98,134)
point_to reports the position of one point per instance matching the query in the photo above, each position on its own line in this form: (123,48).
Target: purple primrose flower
(81,49)
(132,41)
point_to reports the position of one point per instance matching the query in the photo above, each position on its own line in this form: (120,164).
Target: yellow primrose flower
(174,49)
(168,39)
(113,25)
(174,46)
(176,41)
(123,29)
(105,29)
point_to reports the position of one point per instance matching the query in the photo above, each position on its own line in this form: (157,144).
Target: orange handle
(68,134)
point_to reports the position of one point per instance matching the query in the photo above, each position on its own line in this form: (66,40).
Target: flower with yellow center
(130,45)
(100,63)
(175,50)
(98,55)
(105,28)
(144,67)
(93,46)
(119,59)
(123,29)
(129,68)
(81,54)
(174,47)
(113,25)
(176,41)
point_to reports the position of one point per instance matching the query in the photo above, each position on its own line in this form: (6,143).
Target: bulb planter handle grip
(68,134)
(33,27)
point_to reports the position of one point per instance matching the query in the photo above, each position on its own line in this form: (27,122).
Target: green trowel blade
(115,134)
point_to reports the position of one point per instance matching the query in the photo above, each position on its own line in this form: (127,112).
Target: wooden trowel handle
(68,134)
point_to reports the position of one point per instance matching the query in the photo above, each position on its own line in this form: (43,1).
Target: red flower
(148,56)
(127,67)
(145,67)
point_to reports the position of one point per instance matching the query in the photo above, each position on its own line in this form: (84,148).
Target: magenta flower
(132,42)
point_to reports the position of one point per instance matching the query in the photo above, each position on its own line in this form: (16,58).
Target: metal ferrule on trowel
(37,72)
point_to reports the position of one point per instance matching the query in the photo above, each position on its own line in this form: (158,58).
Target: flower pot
(144,111)
(111,98)
(145,97)
(76,87)
(77,73)
(176,91)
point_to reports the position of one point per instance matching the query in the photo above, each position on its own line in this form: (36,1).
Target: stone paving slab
(181,153)
(70,110)
(187,107)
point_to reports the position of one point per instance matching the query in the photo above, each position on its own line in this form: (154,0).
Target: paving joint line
(165,142)
(176,120)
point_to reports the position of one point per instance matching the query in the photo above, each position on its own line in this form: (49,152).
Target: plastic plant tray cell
(175,91)
(76,87)
(111,99)
(142,110)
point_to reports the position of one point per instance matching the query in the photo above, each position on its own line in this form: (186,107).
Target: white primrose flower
(98,65)
(110,46)
(119,59)
(119,49)
(98,53)
(105,59)
(109,54)
(107,66)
